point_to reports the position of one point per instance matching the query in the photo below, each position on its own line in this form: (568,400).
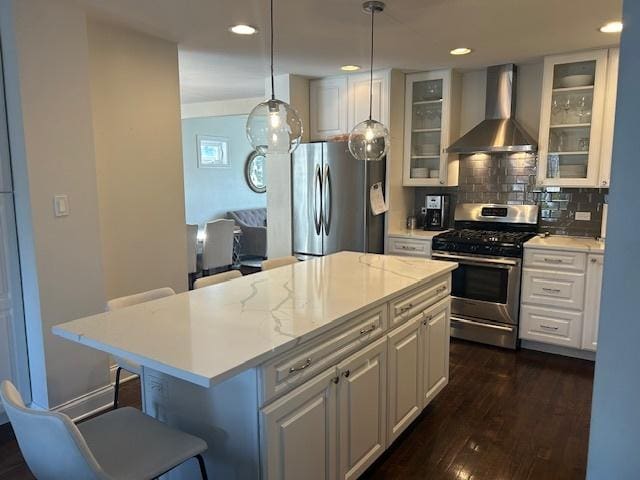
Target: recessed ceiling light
(350,68)
(460,51)
(243,29)
(611,27)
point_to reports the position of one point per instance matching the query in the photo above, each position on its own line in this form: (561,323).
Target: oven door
(484,287)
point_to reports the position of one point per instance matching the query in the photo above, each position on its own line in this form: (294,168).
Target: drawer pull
(441,289)
(346,373)
(553,260)
(406,308)
(407,247)
(547,327)
(369,329)
(551,290)
(304,366)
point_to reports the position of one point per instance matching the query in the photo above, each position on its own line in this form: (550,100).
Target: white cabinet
(300,432)
(328,107)
(405,377)
(572,119)
(337,104)
(432,109)
(435,328)
(359,98)
(561,297)
(362,409)
(595,269)
(414,247)
(609,118)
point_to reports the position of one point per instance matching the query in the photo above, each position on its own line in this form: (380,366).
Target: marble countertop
(417,233)
(561,242)
(208,335)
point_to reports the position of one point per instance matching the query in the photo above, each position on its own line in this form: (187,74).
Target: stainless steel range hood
(499,132)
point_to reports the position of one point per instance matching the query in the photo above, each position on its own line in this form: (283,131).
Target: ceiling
(316,37)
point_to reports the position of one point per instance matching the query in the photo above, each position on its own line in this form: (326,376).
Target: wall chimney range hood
(499,132)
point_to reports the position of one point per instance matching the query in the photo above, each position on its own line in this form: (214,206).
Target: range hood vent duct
(499,132)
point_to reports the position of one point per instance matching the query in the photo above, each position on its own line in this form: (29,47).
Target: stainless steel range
(487,243)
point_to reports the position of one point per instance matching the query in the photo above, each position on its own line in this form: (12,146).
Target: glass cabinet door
(426,128)
(571,123)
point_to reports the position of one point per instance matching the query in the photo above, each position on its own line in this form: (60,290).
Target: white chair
(192,248)
(218,244)
(278,262)
(128,301)
(215,279)
(119,445)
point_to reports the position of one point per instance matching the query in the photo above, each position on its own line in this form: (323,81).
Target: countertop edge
(206,381)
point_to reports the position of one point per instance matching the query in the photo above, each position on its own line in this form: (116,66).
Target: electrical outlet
(583,216)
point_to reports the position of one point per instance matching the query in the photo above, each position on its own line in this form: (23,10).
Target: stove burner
(482,242)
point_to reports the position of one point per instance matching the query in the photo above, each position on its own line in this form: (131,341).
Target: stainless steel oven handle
(494,261)
(479,324)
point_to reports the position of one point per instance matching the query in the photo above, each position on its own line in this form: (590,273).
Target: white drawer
(555,259)
(548,325)
(293,368)
(416,301)
(406,246)
(553,289)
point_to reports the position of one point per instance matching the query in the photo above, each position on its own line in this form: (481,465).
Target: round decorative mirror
(254,172)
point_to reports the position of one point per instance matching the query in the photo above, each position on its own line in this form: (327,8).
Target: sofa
(253,223)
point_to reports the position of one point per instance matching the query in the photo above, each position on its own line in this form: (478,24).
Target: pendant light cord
(273,90)
(373,13)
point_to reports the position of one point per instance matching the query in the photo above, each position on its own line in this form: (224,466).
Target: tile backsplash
(511,178)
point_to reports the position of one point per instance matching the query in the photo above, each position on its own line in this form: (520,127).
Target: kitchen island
(305,371)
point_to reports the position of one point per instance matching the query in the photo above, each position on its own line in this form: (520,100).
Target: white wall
(49,107)
(240,106)
(136,121)
(211,192)
(615,417)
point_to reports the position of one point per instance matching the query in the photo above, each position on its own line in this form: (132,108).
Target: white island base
(308,371)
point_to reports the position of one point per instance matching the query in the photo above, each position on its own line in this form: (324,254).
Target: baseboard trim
(87,405)
(559,350)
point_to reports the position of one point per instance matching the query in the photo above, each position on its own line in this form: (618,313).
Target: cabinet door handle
(369,329)
(426,319)
(336,380)
(547,327)
(346,373)
(553,260)
(594,260)
(304,366)
(551,290)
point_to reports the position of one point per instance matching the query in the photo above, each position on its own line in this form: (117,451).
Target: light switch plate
(60,205)
(583,216)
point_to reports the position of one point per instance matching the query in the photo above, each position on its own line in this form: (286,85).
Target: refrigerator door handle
(328,201)
(317,193)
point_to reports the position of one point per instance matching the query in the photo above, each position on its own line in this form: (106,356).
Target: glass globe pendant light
(369,140)
(273,126)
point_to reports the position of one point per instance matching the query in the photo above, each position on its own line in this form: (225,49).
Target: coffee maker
(437,212)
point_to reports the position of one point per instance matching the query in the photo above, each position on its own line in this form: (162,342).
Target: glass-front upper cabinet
(571,119)
(432,98)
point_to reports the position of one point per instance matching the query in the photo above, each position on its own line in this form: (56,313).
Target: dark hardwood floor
(504,415)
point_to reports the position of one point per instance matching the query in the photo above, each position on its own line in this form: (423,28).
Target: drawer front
(554,289)
(555,259)
(418,300)
(547,325)
(282,374)
(405,246)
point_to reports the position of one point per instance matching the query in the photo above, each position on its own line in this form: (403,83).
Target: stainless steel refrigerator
(329,200)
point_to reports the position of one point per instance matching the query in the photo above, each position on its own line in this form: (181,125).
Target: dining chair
(278,262)
(192,248)
(215,279)
(218,244)
(121,444)
(128,301)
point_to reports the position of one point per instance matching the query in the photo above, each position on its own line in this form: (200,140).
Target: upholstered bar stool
(278,262)
(215,279)
(123,444)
